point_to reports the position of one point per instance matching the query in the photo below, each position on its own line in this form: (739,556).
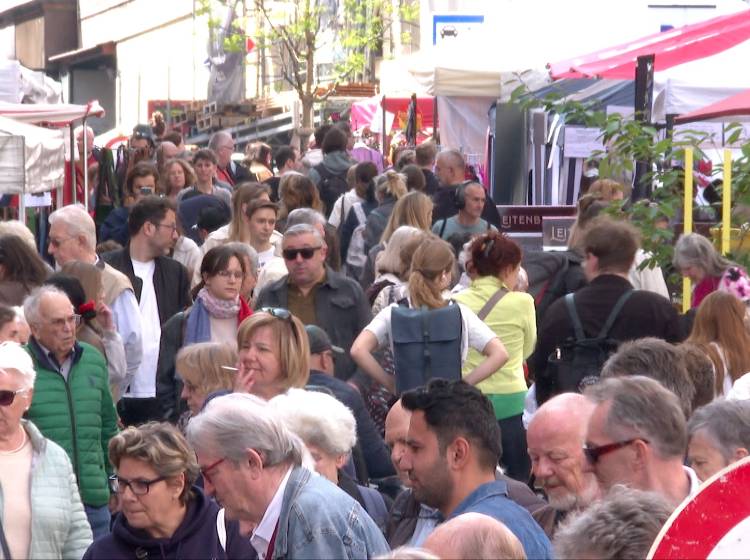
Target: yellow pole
(687,221)
(726,203)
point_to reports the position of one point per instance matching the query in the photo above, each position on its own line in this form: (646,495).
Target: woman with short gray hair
(40,505)
(329,431)
(718,435)
(696,258)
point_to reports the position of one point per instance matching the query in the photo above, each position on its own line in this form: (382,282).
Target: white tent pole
(85,167)
(73,180)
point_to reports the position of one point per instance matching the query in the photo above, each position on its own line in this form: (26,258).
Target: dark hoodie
(196,537)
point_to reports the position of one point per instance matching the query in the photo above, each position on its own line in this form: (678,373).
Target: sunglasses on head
(306,252)
(7,397)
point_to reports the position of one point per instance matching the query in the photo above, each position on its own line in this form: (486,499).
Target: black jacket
(196,537)
(340,308)
(445,206)
(645,314)
(431,182)
(171,283)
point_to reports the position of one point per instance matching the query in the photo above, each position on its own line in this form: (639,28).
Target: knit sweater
(77,414)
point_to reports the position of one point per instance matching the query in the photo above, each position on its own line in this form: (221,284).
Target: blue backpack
(426,344)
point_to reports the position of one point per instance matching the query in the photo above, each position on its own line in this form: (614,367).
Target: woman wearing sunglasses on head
(217,311)
(274,353)
(162,513)
(41,512)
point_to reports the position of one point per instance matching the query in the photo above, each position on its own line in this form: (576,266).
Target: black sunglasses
(594,453)
(306,252)
(7,397)
(278,312)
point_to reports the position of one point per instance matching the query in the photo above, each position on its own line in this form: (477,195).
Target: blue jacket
(492,499)
(196,537)
(318,520)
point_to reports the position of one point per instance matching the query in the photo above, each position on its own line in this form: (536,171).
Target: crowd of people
(327,357)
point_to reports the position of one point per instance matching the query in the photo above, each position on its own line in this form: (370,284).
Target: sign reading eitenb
(715,523)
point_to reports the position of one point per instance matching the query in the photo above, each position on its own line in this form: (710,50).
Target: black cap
(319,341)
(211,218)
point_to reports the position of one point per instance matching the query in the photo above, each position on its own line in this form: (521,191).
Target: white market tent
(55,115)
(32,158)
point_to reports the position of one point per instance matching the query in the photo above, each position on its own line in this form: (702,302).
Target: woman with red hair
(494,263)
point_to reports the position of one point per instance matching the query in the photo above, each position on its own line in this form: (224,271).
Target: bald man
(396,429)
(555,438)
(476,536)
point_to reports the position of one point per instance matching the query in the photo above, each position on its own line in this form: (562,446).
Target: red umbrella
(671,48)
(737,105)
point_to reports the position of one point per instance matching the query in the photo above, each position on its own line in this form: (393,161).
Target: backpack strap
(614,313)
(492,302)
(577,326)
(442,228)
(427,371)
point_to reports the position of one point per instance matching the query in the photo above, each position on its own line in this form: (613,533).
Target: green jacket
(77,414)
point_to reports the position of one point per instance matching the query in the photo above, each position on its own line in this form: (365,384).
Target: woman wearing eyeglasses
(274,353)
(217,310)
(162,513)
(41,514)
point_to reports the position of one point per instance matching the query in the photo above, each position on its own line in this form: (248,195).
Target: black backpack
(550,274)
(577,362)
(426,344)
(330,186)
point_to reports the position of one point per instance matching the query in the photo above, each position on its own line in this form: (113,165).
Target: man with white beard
(555,438)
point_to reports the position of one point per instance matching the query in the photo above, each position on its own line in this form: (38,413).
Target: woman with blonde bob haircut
(432,267)
(162,513)
(274,353)
(205,368)
(719,330)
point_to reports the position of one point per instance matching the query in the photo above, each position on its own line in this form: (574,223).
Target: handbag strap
(492,302)
(4,542)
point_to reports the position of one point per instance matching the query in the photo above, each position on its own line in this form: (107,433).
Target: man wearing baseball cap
(322,356)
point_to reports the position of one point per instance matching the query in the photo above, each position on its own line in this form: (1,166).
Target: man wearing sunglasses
(637,436)
(72,404)
(318,295)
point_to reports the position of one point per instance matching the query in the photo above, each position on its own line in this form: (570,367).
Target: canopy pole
(644,97)
(73,181)
(85,166)
(687,222)
(382,130)
(726,203)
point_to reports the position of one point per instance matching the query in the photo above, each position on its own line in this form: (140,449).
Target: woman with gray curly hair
(329,431)
(696,258)
(162,513)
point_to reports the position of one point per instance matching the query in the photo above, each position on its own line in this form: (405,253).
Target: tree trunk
(307,127)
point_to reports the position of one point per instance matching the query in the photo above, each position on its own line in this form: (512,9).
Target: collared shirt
(426,522)
(695,483)
(263,534)
(303,306)
(63,368)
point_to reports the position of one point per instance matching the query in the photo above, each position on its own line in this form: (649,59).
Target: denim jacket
(492,499)
(318,520)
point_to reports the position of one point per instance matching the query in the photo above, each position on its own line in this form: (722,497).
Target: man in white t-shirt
(261,215)
(162,287)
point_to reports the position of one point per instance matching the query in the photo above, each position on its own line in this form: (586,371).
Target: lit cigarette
(230,368)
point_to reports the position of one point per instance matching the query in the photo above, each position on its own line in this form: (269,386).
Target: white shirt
(265,256)
(695,483)
(342,206)
(649,279)
(261,537)
(143,385)
(127,317)
(474,334)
